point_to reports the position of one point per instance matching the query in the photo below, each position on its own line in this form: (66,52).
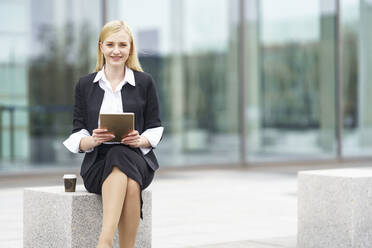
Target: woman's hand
(133,139)
(101,135)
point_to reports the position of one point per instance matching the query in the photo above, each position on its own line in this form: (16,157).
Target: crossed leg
(130,215)
(113,194)
(121,209)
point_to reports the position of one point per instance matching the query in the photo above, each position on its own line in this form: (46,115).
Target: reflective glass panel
(291,100)
(356,17)
(45,46)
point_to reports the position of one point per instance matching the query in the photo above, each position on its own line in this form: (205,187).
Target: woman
(117,171)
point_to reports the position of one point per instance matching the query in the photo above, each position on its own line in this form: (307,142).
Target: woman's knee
(133,188)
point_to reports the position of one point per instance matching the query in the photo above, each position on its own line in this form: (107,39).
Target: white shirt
(112,104)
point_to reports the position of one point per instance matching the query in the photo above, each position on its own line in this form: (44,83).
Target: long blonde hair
(113,27)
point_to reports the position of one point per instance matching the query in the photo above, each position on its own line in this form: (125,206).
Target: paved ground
(198,208)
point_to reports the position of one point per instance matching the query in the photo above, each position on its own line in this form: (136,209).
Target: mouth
(116,58)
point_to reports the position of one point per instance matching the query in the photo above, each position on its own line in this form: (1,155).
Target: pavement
(227,207)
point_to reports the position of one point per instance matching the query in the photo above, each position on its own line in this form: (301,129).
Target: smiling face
(116,48)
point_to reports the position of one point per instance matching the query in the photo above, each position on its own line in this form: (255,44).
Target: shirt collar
(129,76)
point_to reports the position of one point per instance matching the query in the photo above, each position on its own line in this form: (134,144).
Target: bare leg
(113,194)
(130,215)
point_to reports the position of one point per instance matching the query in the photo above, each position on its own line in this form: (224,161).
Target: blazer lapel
(126,97)
(131,103)
(94,104)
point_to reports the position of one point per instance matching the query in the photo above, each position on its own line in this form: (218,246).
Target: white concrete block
(54,218)
(335,208)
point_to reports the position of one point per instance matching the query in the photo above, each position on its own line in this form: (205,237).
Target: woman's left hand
(133,139)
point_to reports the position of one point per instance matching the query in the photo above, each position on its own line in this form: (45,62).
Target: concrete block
(54,218)
(335,208)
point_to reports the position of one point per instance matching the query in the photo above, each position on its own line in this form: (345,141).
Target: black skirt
(129,160)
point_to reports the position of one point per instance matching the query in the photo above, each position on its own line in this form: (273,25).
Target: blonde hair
(113,27)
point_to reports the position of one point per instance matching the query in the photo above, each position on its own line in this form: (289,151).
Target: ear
(100,46)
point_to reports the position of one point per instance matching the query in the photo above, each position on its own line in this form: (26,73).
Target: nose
(116,50)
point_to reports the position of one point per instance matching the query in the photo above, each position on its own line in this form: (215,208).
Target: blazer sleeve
(152,112)
(79,121)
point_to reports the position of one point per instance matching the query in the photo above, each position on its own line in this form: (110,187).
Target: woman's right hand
(101,135)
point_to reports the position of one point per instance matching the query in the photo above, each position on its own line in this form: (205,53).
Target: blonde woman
(117,171)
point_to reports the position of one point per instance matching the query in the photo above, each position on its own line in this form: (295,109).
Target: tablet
(118,124)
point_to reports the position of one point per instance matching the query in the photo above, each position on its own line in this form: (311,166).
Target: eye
(109,44)
(123,45)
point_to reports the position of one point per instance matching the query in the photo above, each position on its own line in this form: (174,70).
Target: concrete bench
(335,208)
(54,218)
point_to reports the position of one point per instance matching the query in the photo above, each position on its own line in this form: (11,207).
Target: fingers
(102,135)
(104,139)
(101,140)
(130,139)
(132,133)
(100,130)
(133,139)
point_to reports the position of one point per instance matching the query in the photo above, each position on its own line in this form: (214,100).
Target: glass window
(45,46)
(357,77)
(291,101)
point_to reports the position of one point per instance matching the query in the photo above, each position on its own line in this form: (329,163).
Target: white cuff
(153,135)
(73,142)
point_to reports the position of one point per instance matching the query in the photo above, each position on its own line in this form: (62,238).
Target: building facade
(239,82)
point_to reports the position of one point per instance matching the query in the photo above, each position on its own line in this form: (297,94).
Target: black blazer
(142,99)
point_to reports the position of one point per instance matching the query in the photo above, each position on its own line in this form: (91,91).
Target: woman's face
(116,48)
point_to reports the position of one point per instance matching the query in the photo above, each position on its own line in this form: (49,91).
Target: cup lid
(69,176)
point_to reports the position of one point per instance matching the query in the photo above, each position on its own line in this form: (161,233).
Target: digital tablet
(118,124)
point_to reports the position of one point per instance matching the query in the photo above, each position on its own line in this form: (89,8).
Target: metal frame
(104,11)
(1,132)
(339,83)
(12,134)
(242,78)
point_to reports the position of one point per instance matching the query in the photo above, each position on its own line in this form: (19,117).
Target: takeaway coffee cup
(70,182)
